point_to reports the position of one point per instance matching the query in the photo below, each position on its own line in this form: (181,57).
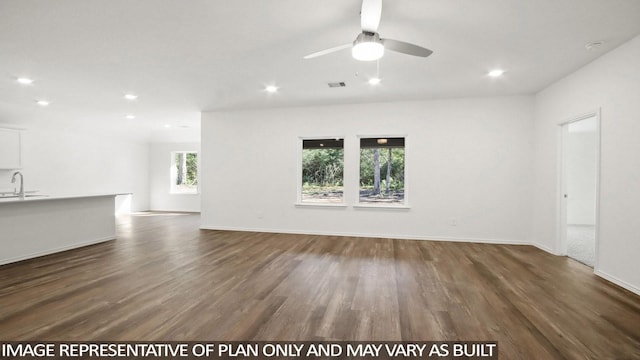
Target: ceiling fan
(369,46)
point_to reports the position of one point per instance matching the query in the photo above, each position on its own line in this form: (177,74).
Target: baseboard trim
(171,210)
(617,281)
(56,250)
(365,235)
(544,248)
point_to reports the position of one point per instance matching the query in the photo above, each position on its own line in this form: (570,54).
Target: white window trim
(405,200)
(380,206)
(171,175)
(299,202)
(322,205)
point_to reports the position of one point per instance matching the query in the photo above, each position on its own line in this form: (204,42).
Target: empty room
(328,179)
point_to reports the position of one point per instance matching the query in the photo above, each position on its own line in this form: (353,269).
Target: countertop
(37,197)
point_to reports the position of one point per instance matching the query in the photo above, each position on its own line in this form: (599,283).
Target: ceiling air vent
(337,84)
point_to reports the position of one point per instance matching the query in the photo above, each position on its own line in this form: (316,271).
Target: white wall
(160,182)
(611,83)
(64,162)
(466,158)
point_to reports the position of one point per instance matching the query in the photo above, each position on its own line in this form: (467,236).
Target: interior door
(580,168)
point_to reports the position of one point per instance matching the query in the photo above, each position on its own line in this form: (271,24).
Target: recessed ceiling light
(496,73)
(42,102)
(131,96)
(24,81)
(130,116)
(374,81)
(271,89)
(167,126)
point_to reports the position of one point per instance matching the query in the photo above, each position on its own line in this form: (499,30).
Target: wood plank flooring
(164,279)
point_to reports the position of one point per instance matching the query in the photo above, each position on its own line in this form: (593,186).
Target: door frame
(561,236)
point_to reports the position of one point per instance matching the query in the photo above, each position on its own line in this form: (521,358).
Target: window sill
(320,205)
(177,193)
(402,207)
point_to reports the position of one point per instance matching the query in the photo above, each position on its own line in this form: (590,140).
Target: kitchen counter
(38,197)
(41,225)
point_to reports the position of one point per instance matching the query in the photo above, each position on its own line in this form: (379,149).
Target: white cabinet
(10,149)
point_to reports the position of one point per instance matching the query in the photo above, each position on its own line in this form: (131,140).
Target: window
(382,171)
(184,172)
(322,171)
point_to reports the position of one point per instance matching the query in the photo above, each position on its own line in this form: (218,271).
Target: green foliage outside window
(192,169)
(186,170)
(322,174)
(322,167)
(396,173)
(382,173)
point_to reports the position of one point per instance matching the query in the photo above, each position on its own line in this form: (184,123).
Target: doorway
(580,175)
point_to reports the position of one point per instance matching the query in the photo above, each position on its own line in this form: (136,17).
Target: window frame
(372,205)
(299,152)
(172,173)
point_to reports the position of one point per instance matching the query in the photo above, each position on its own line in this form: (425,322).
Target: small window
(184,172)
(382,171)
(322,171)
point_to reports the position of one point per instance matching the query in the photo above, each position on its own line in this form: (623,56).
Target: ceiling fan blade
(405,48)
(370,15)
(328,51)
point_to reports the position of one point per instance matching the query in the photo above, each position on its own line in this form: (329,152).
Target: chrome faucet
(13,181)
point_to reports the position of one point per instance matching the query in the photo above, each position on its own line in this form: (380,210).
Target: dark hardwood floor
(164,279)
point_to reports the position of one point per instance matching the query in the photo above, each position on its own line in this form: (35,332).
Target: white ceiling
(184,57)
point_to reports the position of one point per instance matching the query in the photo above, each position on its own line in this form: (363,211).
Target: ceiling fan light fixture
(367,51)
(367,47)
